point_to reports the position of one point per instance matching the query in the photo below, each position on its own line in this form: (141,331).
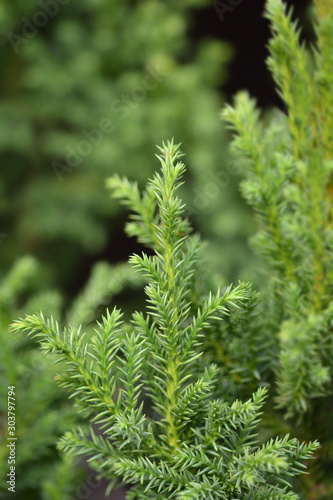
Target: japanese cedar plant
(159,421)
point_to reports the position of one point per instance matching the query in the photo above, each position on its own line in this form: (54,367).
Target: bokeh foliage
(130,65)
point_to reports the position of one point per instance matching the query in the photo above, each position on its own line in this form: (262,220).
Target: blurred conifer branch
(289,185)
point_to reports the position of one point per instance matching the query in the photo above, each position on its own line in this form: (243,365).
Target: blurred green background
(91,92)
(88,89)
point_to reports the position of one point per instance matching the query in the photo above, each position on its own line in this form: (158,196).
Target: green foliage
(168,430)
(93,63)
(289,184)
(288,162)
(241,348)
(42,412)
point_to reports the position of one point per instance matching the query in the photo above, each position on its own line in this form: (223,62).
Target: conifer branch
(288,184)
(168,430)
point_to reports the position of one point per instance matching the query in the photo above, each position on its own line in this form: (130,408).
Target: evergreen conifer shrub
(159,421)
